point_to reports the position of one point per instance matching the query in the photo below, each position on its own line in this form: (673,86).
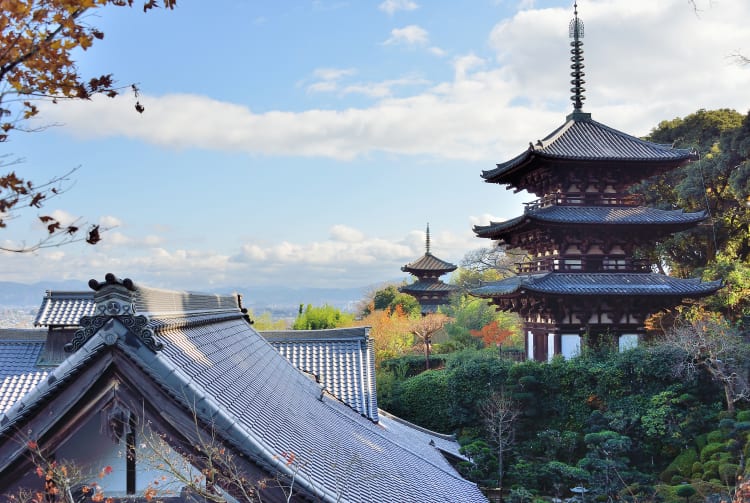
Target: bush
(682,466)
(710,450)
(743,416)
(728,473)
(715,437)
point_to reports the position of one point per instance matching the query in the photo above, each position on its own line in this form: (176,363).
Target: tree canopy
(39,40)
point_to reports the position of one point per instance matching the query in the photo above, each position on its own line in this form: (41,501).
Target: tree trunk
(427,353)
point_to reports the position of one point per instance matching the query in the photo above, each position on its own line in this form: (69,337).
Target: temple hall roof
(581,138)
(61,308)
(608,284)
(203,353)
(19,372)
(341,359)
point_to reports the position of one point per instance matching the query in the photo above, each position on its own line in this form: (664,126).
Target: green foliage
(424,399)
(683,466)
(711,452)
(318,318)
(388,298)
(718,182)
(684,491)
(482,467)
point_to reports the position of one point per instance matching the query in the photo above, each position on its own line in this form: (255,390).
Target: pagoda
(428,289)
(582,281)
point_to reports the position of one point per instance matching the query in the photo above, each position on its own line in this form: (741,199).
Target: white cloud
(109,222)
(346,234)
(392,6)
(641,69)
(408,35)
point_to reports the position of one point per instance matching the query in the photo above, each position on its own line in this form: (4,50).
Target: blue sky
(309,142)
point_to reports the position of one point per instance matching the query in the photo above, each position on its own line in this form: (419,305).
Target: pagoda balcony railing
(584,264)
(585,199)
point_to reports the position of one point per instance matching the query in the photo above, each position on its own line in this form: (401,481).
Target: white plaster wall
(530,345)
(570,346)
(628,341)
(550,346)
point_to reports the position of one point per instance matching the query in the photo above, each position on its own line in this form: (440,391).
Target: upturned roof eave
(513,287)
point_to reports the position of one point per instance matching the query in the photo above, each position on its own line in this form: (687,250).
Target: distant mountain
(258,298)
(24,295)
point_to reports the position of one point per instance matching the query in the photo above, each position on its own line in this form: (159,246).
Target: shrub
(710,450)
(715,436)
(743,416)
(682,465)
(728,473)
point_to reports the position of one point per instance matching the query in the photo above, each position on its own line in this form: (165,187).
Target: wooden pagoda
(428,289)
(582,281)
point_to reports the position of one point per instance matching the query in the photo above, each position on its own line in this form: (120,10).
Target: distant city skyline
(309,143)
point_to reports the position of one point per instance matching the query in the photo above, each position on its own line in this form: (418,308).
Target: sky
(307,143)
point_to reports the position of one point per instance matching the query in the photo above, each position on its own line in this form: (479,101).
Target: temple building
(428,289)
(583,281)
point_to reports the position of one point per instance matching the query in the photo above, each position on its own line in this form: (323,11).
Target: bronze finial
(427,240)
(575,30)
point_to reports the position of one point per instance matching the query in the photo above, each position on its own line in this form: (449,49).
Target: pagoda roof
(594,215)
(608,284)
(427,286)
(581,138)
(429,263)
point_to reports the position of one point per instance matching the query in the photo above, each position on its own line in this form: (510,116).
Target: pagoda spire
(427,240)
(575,31)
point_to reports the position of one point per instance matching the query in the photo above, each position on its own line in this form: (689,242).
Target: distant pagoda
(582,277)
(428,289)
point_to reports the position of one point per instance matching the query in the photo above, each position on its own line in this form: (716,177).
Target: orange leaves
(492,334)
(150,493)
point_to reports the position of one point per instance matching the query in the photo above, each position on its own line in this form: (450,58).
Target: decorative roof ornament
(575,31)
(427,240)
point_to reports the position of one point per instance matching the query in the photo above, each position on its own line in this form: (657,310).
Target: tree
(424,328)
(717,182)
(17,194)
(39,39)
(499,415)
(319,318)
(389,298)
(709,343)
(492,334)
(487,264)
(389,332)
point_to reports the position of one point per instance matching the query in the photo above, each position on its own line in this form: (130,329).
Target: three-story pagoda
(429,289)
(582,277)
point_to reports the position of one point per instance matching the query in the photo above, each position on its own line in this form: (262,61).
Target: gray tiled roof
(64,308)
(427,286)
(621,284)
(342,359)
(19,373)
(429,262)
(582,138)
(261,404)
(595,215)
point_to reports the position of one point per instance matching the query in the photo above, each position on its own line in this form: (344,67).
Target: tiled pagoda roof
(641,216)
(427,286)
(429,263)
(584,139)
(599,284)
(202,352)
